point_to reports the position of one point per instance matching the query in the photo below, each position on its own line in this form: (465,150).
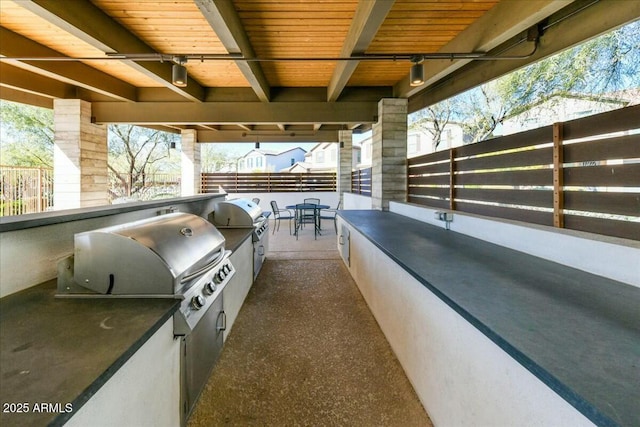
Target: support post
(345,162)
(81,176)
(389,154)
(190,160)
(452,179)
(558,181)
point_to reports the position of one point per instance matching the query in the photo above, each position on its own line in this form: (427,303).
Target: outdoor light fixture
(416,75)
(179,71)
(341,144)
(172,145)
(257,145)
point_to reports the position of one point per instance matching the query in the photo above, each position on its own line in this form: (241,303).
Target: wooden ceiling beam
(225,22)
(368,18)
(22,97)
(91,25)
(207,136)
(74,73)
(23,80)
(248,113)
(502,22)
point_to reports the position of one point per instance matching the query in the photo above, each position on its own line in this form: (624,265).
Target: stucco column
(389,154)
(190,159)
(80,174)
(345,162)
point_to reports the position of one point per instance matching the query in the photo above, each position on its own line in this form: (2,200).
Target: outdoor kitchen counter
(577,332)
(234,237)
(61,351)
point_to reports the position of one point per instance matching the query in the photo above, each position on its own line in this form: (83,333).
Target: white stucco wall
(461,377)
(356,202)
(144,392)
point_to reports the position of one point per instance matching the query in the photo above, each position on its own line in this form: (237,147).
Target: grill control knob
(226,269)
(219,277)
(209,288)
(197,302)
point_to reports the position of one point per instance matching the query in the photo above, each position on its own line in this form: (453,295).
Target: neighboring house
(564,107)
(258,160)
(321,158)
(421,141)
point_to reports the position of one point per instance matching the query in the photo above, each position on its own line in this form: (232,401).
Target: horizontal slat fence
(583,175)
(361,182)
(25,190)
(268,182)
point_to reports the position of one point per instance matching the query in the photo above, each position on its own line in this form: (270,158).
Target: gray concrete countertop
(21,222)
(61,351)
(234,237)
(577,332)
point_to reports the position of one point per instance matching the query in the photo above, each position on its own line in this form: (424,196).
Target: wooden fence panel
(603,202)
(624,147)
(508,160)
(25,190)
(596,185)
(530,138)
(603,176)
(600,124)
(268,182)
(609,227)
(533,177)
(361,182)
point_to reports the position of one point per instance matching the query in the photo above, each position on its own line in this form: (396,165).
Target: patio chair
(306,216)
(330,214)
(279,214)
(309,213)
(312,201)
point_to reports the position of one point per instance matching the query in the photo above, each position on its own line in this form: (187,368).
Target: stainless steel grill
(177,255)
(240,213)
(243,213)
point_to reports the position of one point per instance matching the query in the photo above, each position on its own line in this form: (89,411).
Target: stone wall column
(80,174)
(190,159)
(389,154)
(345,163)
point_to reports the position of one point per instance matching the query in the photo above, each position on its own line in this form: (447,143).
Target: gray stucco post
(345,161)
(190,160)
(80,170)
(389,154)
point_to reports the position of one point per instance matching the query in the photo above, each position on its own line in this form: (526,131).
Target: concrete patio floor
(305,350)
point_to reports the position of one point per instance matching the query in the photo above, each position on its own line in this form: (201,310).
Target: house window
(258,162)
(332,155)
(413,144)
(250,163)
(320,157)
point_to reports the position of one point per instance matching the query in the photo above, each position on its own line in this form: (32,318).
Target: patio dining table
(299,211)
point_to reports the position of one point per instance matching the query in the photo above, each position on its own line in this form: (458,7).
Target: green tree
(596,68)
(27,135)
(216,159)
(434,119)
(134,154)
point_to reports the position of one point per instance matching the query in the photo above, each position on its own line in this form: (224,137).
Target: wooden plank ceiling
(287,81)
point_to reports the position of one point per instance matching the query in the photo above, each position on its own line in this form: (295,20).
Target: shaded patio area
(305,349)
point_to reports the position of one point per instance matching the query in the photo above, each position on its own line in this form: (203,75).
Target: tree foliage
(596,68)
(135,153)
(27,135)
